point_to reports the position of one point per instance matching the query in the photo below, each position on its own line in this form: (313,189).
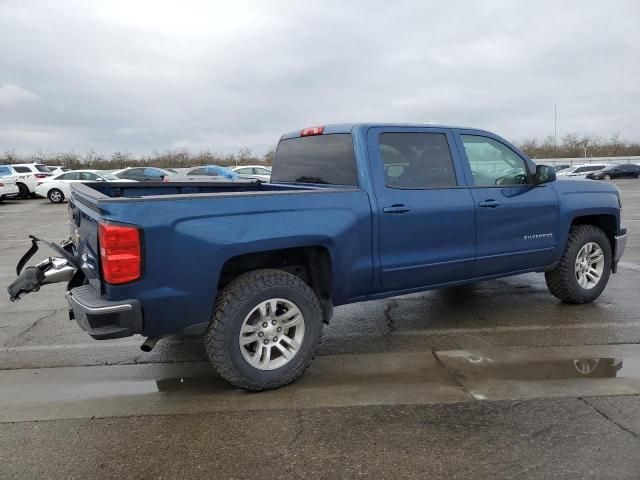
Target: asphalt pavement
(494,380)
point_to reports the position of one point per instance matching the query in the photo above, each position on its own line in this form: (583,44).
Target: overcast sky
(140,76)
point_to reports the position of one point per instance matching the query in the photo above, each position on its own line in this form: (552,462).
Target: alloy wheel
(271,334)
(589,265)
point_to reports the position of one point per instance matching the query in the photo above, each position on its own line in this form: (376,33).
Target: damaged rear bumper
(104,319)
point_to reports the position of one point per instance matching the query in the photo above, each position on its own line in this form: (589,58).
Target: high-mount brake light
(120,253)
(307,132)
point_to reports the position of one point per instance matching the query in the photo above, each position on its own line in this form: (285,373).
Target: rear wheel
(55,196)
(265,331)
(585,266)
(23,191)
(607,176)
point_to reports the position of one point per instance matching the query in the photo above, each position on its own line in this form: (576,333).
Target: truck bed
(101,191)
(191,231)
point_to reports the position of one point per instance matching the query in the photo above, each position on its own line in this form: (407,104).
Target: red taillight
(311,131)
(120,253)
(41,175)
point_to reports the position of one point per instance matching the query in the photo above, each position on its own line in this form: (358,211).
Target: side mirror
(544,174)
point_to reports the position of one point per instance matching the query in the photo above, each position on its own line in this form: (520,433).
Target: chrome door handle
(490,203)
(397,208)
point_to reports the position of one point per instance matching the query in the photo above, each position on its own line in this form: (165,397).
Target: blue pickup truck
(353,212)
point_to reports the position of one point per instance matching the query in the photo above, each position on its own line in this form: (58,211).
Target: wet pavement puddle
(331,381)
(511,373)
(156,389)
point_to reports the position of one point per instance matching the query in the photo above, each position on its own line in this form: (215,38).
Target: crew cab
(353,212)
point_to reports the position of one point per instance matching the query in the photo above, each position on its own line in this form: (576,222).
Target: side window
(262,171)
(5,172)
(493,163)
(245,170)
(416,160)
(136,174)
(197,171)
(69,176)
(88,176)
(22,169)
(153,174)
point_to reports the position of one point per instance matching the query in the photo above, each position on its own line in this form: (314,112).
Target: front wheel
(607,176)
(585,266)
(265,331)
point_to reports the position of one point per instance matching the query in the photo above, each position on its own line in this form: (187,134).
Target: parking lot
(499,376)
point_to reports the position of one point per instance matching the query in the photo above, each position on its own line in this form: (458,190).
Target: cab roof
(350,127)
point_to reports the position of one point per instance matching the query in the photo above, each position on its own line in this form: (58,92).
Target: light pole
(555,131)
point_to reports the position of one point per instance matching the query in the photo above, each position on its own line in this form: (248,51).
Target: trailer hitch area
(50,270)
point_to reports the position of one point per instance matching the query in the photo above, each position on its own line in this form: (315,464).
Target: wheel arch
(313,264)
(606,222)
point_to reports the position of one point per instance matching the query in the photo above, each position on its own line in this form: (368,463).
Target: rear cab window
(325,159)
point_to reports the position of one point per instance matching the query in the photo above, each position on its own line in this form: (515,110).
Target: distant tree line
(573,145)
(170,158)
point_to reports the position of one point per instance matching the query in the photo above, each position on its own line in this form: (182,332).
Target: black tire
(606,176)
(562,281)
(55,195)
(233,305)
(24,192)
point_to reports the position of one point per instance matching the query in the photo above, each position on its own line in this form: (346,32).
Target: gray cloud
(148,75)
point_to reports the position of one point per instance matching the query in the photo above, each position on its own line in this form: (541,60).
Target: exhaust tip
(148,344)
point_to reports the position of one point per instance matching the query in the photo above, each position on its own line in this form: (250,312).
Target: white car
(57,188)
(582,170)
(27,177)
(259,172)
(8,187)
